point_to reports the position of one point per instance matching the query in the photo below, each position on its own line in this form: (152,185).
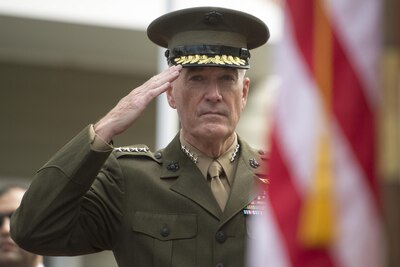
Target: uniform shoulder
(259,153)
(258,161)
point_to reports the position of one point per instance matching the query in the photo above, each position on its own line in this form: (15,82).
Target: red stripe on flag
(302,18)
(286,204)
(351,109)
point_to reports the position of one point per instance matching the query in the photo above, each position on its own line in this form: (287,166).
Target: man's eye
(228,78)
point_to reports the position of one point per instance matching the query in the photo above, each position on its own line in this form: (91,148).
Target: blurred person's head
(10,254)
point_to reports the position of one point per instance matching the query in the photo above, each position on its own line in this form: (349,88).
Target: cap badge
(213,18)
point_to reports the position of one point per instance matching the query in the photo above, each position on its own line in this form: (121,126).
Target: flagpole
(166,117)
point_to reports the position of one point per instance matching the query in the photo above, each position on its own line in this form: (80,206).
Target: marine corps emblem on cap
(208,36)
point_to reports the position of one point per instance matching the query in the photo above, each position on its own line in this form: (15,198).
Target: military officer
(184,205)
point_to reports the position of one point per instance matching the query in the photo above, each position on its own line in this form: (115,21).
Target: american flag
(324,204)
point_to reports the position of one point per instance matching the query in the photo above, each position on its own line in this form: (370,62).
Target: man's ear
(171,98)
(246,88)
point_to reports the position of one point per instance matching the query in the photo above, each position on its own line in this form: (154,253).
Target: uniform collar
(227,159)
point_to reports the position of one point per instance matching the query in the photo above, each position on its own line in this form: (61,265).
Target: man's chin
(215,131)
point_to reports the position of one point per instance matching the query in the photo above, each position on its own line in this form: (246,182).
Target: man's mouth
(213,112)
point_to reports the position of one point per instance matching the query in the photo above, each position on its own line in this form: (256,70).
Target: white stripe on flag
(265,244)
(297,112)
(359,238)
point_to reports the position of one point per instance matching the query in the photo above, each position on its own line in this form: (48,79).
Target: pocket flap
(165,226)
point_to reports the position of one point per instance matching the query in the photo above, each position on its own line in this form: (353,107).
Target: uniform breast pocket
(169,239)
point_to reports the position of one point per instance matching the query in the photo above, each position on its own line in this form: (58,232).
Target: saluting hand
(129,108)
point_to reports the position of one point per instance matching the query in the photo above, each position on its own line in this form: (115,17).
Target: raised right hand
(129,108)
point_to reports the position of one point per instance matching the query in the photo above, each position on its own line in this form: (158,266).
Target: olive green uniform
(150,209)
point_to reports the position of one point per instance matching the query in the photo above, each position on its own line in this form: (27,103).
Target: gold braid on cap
(205,59)
(197,55)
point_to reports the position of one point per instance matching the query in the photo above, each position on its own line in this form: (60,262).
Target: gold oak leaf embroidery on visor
(205,59)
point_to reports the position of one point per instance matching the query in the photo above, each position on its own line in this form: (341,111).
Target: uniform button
(220,265)
(158,155)
(220,237)
(165,232)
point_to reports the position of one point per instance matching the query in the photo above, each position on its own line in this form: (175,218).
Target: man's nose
(213,92)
